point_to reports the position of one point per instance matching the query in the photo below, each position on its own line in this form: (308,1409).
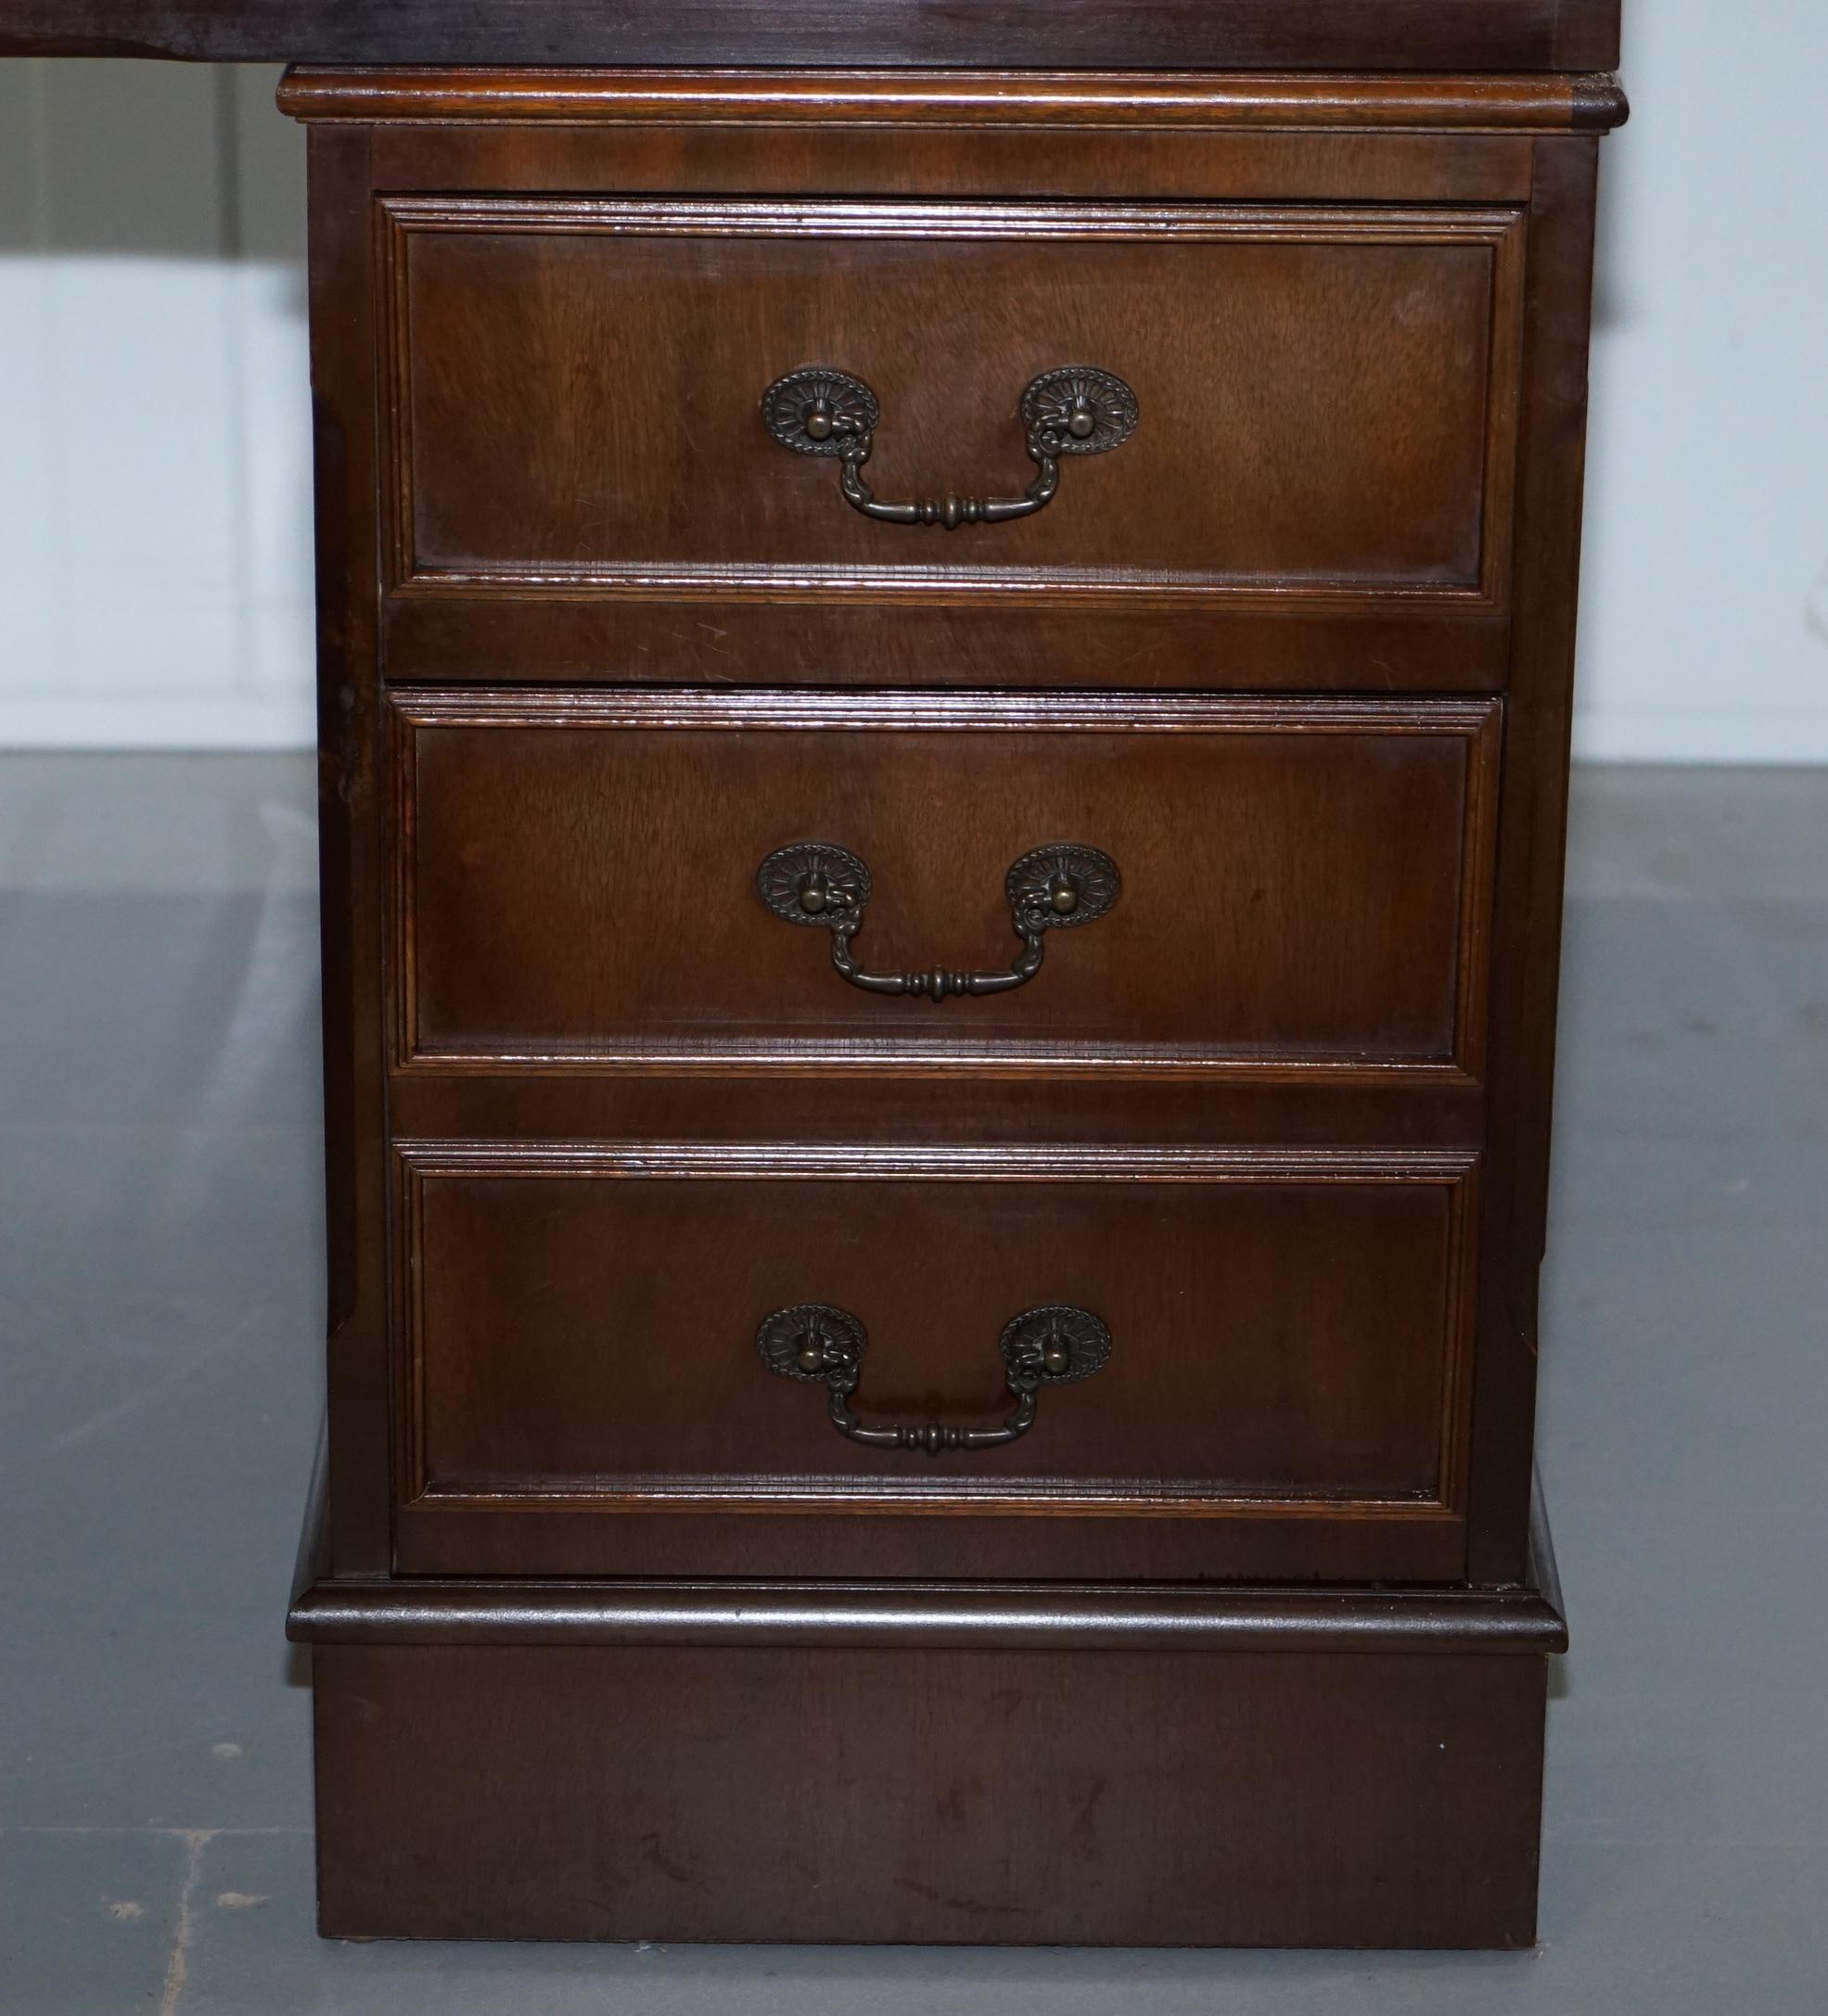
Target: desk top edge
(1530,103)
(1397,35)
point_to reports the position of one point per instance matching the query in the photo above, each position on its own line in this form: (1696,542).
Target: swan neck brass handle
(821,1345)
(1076,410)
(1050,889)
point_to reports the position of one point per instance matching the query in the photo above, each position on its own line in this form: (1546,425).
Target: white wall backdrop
(154,531)
(154,452)
(1705,606)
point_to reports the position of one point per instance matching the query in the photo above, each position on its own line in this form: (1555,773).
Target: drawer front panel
(1303,885)
(1327,398)
(1287,1336)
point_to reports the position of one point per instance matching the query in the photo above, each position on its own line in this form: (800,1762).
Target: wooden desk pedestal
(945,706)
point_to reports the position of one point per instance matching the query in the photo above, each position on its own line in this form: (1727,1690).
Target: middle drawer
(784,881)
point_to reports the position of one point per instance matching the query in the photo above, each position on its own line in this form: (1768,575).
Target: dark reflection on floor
(159,1311)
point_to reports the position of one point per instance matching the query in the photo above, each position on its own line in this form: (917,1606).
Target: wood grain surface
(1305,884)
(981,102)
(583,1320)
(1251,1799)
(578,388)
(617,1636)
(1320,34)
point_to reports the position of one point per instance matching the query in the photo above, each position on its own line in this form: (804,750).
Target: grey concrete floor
(160,1312)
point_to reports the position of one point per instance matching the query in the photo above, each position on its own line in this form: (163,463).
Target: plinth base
(1040,1767)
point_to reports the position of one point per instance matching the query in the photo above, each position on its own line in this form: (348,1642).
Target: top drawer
(1324,428)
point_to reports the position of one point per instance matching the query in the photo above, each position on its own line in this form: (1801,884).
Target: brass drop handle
(820,1345)
(1050,889)
(1076,410)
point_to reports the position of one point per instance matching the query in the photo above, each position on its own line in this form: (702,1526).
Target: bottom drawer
(695,1360)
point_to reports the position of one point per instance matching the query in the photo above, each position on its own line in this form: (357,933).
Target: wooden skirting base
(1190,1767)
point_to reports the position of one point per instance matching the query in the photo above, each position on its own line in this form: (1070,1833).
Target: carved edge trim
(1060,1617)
(978,101)
(1107,713)
(895,1057)
(1165,1617)
(1015,1162)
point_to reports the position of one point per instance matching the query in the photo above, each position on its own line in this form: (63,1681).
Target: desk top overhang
(1410,35)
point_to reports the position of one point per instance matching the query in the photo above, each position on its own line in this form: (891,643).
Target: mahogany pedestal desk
(1033,1447)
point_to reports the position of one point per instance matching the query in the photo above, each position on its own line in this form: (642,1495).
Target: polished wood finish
(1312,34)
(552,606)
(1141,144)
(1344,1108)
(1006,1617)
(1258,1798)
(1298,656)
(553,1361)
(1276,456)
(981,1764)
(1003,1616)
(1306,886)
(350,800)
(1527,948)
(989,102)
